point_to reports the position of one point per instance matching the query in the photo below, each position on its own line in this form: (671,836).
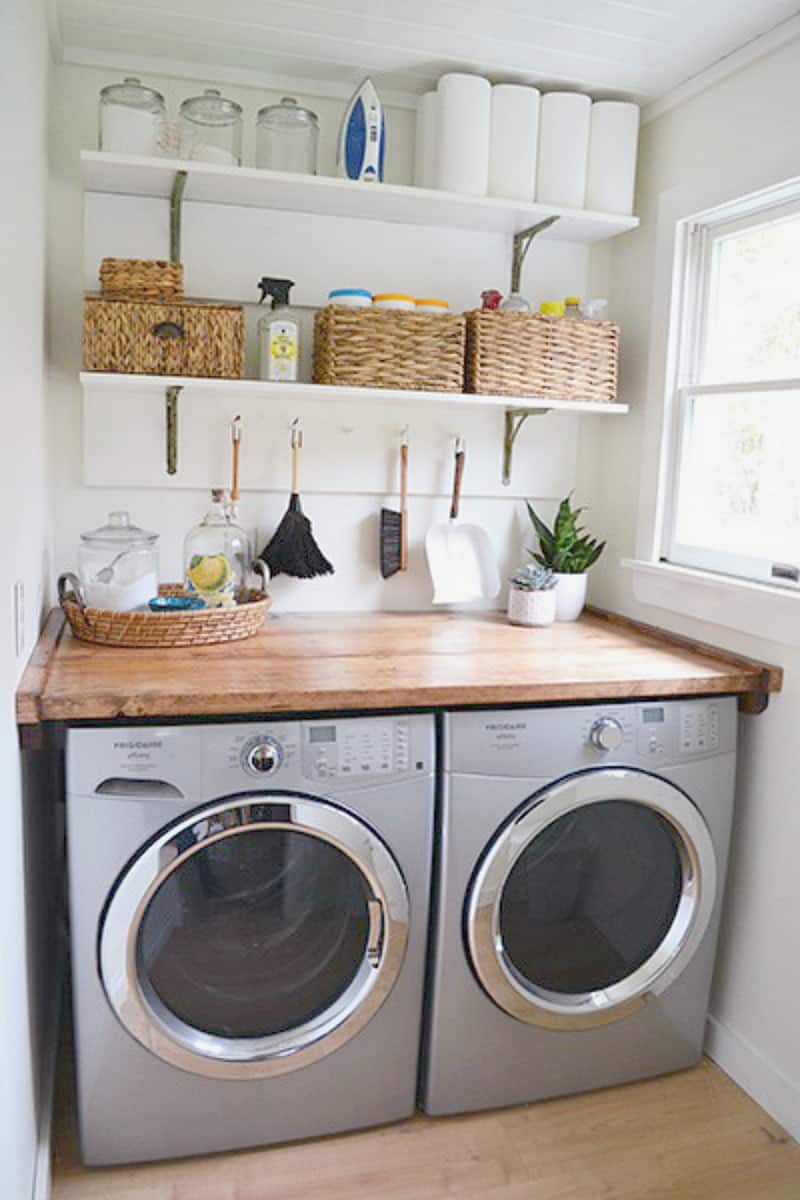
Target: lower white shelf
(256,388)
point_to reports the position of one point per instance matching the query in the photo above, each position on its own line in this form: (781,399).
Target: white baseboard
(755,1074)
(42,1177)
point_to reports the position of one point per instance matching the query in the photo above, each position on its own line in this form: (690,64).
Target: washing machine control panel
(349,749)
(607,733)
(261,755)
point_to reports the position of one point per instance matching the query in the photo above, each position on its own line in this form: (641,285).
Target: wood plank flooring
(690,1136)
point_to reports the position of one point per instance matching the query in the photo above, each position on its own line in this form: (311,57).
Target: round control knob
(262,757)
(607,734)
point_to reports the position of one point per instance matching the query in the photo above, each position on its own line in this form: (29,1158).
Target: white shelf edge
(119,174)
(99,381)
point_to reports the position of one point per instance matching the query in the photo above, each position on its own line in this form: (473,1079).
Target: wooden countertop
(360,661)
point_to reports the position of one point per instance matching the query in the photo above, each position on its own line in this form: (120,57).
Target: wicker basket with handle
(161,630)
(524,354)
(190,337)
(141,279)
(362,347)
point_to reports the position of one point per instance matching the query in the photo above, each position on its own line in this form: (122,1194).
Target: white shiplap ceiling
(643,49)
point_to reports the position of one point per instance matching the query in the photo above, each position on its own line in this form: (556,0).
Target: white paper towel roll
(564,121)
(514,141)
(425,146)
(462,156)
(612,156)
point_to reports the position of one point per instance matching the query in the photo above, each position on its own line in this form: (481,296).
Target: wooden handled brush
(394,525)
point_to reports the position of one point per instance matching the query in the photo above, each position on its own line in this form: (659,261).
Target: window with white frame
(734,504)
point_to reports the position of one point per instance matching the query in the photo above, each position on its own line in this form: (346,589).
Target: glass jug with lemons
(216,555)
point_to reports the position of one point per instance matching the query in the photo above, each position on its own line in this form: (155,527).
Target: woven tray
(362,347)
(189,337)
(149,630)
(523,354)
(141,279)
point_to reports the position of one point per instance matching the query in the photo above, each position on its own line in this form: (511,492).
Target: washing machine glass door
(591,898)
(255,936)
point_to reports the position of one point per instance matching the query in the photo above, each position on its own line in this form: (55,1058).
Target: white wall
(737,136)
(350,461)
(23,538)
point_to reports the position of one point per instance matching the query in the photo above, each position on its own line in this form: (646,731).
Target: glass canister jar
(118,565)
(129,118)
(214,128)
(287,136)
(216,554)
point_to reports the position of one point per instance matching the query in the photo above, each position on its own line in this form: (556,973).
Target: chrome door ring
(554,1010)
(159,1030)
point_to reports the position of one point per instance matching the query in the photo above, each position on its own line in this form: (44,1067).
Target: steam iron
(362,140)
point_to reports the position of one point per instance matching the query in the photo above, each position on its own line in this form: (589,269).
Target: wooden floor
(691,1136)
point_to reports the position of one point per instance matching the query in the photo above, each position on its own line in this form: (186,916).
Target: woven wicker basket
(382,349)
(187,338)
(141,279)
(149,630)
(522,354)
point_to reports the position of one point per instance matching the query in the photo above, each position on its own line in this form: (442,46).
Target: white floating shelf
(257,389)
(122,174)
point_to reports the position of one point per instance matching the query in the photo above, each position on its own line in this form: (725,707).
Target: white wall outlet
(19,618)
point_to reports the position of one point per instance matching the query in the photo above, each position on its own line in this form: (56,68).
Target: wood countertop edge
(750,679)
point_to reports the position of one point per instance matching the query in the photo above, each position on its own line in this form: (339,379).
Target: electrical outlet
(19,617)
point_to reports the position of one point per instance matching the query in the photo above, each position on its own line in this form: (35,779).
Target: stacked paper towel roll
(564,124)
(612,157)
(514,141)
(425,151)
(464,119)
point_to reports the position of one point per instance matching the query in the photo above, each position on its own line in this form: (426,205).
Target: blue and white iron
(362,140)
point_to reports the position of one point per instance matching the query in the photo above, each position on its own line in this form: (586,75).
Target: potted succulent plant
(568,552)
(532,596)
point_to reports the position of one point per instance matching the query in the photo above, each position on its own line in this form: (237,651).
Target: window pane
(740,483)
(753,327)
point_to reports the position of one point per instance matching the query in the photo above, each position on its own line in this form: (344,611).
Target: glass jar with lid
(130,117)
(287,136)
(216,554)
(214,128)
(118,565)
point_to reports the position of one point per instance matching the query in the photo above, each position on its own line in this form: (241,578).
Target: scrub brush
(394,525)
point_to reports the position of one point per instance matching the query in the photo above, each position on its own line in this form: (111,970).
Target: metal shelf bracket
(522,244)
(514,420)
(175,215)
(172,429)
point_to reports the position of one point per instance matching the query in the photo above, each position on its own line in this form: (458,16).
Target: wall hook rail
(172,429)
(514,420)
(176,215)
(522,244)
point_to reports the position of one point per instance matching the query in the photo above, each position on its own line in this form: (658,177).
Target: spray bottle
(278,333)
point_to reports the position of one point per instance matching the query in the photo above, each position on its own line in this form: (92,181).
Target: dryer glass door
(593,895)
(255,937)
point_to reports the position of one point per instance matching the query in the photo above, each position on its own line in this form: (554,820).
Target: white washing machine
(581,875)
(249,910)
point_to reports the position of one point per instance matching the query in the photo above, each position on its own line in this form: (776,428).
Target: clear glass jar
(514,302)
(129,118)
(572,308)
(286,137)
(118,565)
(216,554)
(214,128)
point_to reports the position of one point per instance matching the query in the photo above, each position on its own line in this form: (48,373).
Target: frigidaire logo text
(504,725)
(133,745)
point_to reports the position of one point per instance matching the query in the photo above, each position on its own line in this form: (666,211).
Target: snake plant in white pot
(568,552)
(532,596)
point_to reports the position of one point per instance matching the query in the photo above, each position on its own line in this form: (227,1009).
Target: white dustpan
(460,556)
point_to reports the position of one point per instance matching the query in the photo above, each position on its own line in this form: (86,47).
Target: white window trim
(755,608)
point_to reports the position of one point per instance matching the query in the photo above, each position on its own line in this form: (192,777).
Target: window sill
(772,613)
